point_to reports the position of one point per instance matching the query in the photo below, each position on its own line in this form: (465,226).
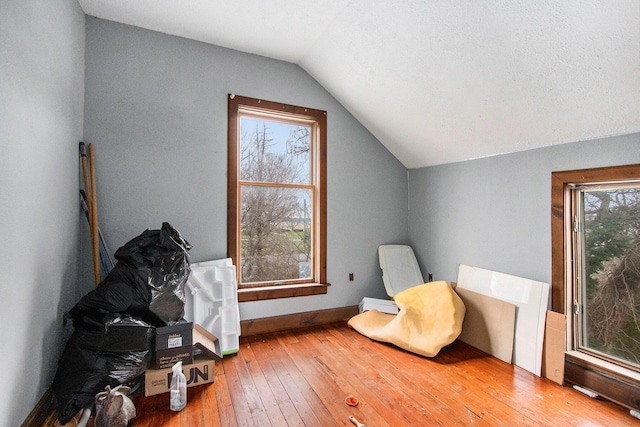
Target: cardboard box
(554,347)
(157,381)
(178,335)
(206,343)
(169,357)
(173,344)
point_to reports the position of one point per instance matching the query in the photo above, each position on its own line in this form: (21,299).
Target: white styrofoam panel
(212,301)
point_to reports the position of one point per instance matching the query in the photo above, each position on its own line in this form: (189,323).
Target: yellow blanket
(430,318)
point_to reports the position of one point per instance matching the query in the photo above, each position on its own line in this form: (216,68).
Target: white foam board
(531,299)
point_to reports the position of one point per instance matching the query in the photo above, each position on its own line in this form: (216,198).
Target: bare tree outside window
(276,198)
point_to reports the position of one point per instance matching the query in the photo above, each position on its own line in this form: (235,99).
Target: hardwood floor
(302,378)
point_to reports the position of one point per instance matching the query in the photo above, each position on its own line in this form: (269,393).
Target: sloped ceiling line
(437,82)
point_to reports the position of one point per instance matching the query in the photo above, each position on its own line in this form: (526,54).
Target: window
(596,277)
(276,198)
(606,285)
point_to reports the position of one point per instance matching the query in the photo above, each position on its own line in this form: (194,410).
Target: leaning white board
(531,299)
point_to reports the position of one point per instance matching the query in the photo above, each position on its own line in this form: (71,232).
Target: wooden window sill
(595,363)
(281,291)
(607,380)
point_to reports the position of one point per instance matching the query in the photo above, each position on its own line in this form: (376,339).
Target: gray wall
(41,110)
(495,212)
(156,110)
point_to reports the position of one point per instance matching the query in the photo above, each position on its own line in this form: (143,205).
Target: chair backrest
(400,269)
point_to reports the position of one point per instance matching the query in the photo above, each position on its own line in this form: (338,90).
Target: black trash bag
(124,290)
(147,284)
(148,280)
(112,350)
(164,254)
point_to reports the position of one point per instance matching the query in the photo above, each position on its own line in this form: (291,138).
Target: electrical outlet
(351,277)
(430,277)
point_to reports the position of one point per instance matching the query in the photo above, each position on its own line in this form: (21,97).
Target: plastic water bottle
(178,392)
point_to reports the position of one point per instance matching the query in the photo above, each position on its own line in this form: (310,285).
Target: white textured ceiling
(437,81)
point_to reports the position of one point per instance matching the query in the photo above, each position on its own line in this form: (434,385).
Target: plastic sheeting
(97,356)
(147,281)
(111,342)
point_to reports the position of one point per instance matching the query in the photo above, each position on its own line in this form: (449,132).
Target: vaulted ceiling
(437,81)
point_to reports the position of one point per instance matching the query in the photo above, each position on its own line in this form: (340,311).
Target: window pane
(275,233)
(611,289)
(274,152)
